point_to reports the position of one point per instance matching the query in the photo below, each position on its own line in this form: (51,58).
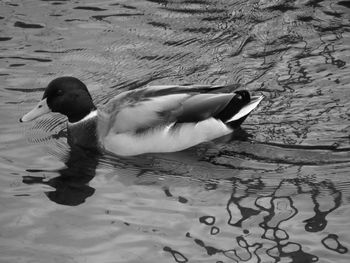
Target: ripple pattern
(277,190)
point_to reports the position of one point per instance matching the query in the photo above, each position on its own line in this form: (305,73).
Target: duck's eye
(59,92)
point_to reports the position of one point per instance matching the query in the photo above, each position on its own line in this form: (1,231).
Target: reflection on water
(71,184)
(261,223)
(269,212)
(276,191)
(319,222)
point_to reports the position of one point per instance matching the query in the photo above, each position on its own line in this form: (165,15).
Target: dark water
(278,191)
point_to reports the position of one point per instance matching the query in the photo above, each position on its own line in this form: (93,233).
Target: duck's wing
(138,115)
(133,112)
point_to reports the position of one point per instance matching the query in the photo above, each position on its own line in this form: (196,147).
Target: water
(277,191)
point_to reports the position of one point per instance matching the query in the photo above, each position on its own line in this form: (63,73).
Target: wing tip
(254,102)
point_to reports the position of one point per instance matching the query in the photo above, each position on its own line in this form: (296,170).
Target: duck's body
(151,119)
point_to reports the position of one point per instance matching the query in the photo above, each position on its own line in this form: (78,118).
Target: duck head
(66,95)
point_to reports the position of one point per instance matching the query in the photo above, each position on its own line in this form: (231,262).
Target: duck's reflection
(71,186)
(264,216)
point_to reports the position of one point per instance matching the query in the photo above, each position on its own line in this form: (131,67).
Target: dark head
(66,95)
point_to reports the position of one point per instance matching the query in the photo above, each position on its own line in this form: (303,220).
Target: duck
(151,119)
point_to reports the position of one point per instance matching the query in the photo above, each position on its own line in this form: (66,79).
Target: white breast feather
(165,139)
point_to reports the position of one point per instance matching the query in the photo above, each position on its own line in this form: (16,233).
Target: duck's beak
(40,109)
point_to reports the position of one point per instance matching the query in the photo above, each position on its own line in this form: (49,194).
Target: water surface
(276,191)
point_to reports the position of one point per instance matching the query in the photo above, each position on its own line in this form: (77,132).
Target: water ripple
(276,190)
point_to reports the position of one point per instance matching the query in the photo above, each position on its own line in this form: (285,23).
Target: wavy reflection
(71,186)
(269,222)
(318,222)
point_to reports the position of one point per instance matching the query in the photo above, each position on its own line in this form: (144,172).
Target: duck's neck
(84,132)
(79,108)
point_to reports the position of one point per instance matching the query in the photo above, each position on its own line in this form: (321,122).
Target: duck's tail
(238,109)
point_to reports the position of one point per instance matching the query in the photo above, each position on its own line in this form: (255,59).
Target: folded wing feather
(147,113)
(133,116)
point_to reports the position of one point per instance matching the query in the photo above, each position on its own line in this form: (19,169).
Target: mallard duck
(146,120)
